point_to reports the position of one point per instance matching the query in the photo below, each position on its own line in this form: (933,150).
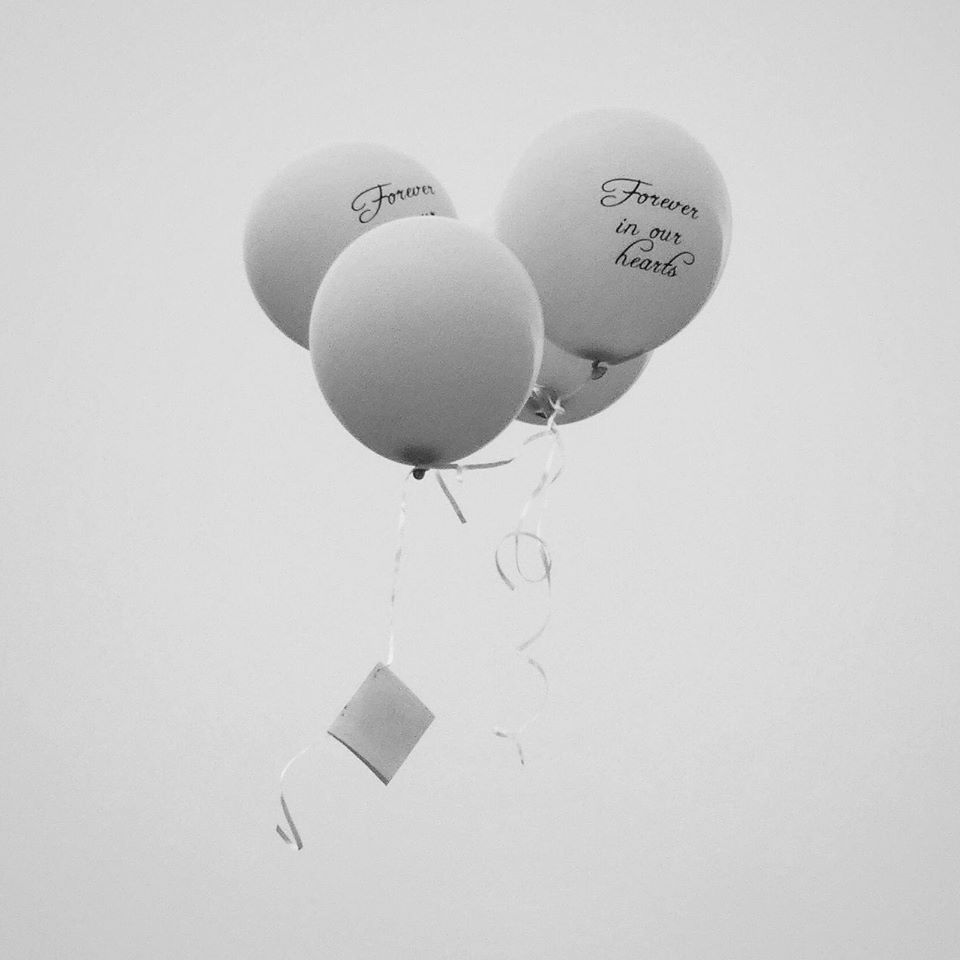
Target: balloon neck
(543,401)
(598,369)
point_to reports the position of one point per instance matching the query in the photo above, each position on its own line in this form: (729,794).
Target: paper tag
(382,723)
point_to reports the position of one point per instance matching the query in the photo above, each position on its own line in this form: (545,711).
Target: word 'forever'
(367,203)
(620,189)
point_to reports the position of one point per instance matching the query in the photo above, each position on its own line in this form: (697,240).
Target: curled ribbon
(294,832)
(541,492)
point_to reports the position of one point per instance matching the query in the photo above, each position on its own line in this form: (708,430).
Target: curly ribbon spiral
(540,493)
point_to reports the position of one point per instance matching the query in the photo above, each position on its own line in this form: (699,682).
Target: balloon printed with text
(318,205)
(429,337)
(622,220)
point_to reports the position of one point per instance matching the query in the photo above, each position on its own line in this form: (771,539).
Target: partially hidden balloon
(622,220)
(575,384)
(426,336)
(317,206)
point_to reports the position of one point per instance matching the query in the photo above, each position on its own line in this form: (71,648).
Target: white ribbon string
(418,473)
(397,557)
(295,841)
(460,468)
(548,477)
(453,501)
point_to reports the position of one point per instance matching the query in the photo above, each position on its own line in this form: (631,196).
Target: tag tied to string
(380,725)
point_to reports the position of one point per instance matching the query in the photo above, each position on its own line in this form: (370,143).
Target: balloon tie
(545,399)
(548,477)
(598,369)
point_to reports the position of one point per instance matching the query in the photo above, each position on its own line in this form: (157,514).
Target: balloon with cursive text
(425,338)
(318,205)
(572,381)
(622,220)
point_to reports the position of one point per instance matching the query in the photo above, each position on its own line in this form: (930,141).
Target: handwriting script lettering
(367,203)
(619,190)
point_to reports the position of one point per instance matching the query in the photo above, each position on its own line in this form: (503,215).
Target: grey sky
(750,747)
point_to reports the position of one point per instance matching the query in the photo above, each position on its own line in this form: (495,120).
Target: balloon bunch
(428,337)
(425,334)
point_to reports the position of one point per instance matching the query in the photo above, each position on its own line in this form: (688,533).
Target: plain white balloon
(622,220)
(317,206)
(568,379)
(426,336)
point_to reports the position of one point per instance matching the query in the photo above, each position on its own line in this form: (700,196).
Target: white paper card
(382,723)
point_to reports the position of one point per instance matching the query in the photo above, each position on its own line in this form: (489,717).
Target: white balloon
(622,220)
(568,379)
(318,205)
(425,337)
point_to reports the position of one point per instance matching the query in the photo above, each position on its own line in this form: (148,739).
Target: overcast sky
(750,749)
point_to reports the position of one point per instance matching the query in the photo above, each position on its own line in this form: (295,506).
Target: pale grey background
(751,746)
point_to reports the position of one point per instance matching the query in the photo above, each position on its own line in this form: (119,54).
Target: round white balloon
(425,337)
(568,379)
(622,220)
(318,205)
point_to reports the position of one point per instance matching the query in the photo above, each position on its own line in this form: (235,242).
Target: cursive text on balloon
(657,233)
(619,190)
(367,203)
(667,268)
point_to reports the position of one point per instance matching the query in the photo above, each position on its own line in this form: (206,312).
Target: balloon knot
(598,369)
(419,473)
(544,402)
